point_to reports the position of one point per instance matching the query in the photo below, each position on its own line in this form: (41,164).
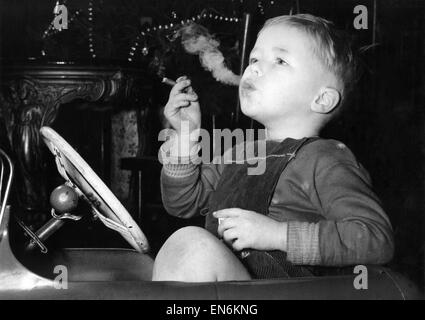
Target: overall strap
(237,189)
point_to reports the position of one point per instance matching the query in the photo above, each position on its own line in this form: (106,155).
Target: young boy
(313,206)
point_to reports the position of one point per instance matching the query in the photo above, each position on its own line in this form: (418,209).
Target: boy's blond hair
(331,46)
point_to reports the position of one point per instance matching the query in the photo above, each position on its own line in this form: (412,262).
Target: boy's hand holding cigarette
(184,114)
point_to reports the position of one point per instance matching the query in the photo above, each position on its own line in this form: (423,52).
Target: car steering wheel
(84,180)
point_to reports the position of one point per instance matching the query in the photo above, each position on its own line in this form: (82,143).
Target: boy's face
(283,76)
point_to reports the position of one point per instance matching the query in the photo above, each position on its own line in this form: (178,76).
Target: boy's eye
(252,60)
(281,61)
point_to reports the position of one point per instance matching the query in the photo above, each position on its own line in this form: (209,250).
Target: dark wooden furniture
(30,97)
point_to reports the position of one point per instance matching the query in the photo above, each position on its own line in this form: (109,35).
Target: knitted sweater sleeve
(186,183)
(354,228)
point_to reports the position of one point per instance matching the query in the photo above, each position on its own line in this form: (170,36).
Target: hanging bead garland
(145,32)
(91,27)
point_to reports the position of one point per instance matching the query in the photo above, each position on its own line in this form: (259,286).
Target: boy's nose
(256,69)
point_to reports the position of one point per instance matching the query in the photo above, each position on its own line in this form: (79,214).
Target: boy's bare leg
(193,254)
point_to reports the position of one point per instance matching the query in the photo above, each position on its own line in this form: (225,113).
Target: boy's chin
(249,109)
(248,113)
(253,115)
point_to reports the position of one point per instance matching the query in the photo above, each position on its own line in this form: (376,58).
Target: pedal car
(115,273)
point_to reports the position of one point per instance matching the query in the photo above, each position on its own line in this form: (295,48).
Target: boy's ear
(326,100)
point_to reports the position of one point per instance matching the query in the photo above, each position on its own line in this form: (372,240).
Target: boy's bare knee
(187,253)
(195,255)
(191,231)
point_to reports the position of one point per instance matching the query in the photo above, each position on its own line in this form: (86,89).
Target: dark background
(384,125)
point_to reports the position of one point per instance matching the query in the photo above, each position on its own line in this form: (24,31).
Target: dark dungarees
(237,189)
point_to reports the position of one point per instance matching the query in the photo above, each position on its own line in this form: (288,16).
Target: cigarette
(168,81)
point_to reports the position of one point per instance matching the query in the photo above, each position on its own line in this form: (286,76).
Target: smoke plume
(197,40)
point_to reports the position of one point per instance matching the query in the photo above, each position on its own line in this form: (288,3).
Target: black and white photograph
(213,155)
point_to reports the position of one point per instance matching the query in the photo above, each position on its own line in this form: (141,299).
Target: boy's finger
(227,213)
(230,235)
(182,103)
(181,78)
(171,110)
(225,224)
(179,87)
(185,96)
(190,90)
(238,245)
